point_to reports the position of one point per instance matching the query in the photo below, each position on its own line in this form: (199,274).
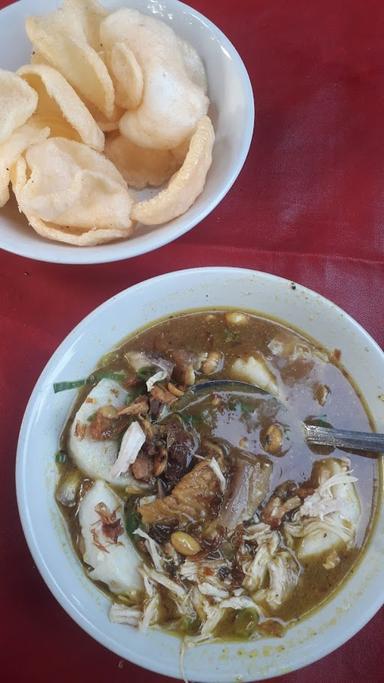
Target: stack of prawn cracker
(110,102)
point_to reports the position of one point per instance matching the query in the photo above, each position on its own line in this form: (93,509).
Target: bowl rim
(64,600)
(121,250)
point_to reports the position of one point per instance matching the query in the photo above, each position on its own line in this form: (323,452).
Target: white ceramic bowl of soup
(323,630)
(231,110)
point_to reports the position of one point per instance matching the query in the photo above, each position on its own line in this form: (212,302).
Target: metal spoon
(313,434)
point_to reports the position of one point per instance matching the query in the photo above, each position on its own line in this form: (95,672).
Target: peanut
(273,439)
(185,544)
(236,318)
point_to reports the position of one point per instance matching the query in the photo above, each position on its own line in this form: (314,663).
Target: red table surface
(309,206)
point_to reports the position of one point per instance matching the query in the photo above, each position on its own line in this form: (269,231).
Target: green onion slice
(93,378)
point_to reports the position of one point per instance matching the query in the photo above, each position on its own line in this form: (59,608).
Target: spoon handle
(343,438)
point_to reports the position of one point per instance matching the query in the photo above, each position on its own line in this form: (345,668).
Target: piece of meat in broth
(181,444)
(248,486)
(195,498)
(286,498)
(108,550)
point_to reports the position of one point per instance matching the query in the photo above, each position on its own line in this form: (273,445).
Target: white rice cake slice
(117,565)
(95,458)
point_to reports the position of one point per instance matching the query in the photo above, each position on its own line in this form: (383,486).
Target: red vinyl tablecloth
(309,205)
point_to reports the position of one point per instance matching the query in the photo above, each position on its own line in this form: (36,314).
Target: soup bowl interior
(323,630)
(231,111)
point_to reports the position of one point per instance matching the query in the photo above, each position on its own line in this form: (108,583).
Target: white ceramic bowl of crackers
(122,126)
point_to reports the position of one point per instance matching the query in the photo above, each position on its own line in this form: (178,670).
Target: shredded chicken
(335,494)
(162,579)
(258,533)
(213,617)
(241,602)
(214,465)
(153,549)
(284,573)
(157,377)
(256,569)
(332,560)
(121,614)
(198,602)
(151,612)
(188,570)
(329,517)
(202,570)
(132,441)
(207,588)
